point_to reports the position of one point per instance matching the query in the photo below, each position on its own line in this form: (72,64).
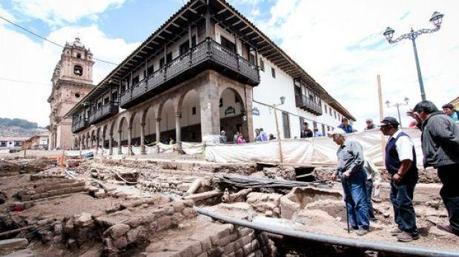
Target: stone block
(13,244)
(21,253)
(227,239)
(196,248)
(136,221)
(206,244)
(188,203)
(177,218)
(169,210)
(136,234)
(120,242)
(179,206)
(164,222)
(118,230)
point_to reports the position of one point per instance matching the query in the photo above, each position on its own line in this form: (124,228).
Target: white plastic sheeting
(320,150)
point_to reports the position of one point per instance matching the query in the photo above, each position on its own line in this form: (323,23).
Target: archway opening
(232,115)
(150,126)
(123,127)
(190,122)
(167,123)
(135,127)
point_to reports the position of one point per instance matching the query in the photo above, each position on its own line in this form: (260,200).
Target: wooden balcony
(79,125)
(104,112)
(206,55)
(306,104)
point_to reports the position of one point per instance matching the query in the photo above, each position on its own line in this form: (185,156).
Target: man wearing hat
(353,178)
(400,160)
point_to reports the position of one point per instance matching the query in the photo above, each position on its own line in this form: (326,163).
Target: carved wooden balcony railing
(105,111)
(308,105)
(206,55)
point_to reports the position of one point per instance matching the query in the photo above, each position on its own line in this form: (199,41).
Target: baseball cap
(389,121)
(337,131)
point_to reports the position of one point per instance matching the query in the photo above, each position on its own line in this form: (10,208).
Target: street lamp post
(436,20)
(397,104)
(282,101)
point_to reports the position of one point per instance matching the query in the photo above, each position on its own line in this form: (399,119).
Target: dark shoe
(395,232)
(362,232)
(447,228)
(406,237)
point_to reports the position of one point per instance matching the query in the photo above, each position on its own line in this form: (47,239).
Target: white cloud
(340,44)
(25,59)
(58,12)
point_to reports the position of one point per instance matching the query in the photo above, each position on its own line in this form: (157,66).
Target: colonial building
(72,81)
(206,69)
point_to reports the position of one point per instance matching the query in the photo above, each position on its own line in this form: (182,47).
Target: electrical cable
(47,40)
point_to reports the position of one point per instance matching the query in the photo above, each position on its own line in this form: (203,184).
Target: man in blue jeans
(400,161)
(353,178)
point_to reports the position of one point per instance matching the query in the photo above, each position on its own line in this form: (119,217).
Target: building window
(106,100)
(329,108)
(228,44)
(273,72)
(193,111)
(135,80)
(150,70)
(161,63)
(184,47)
(115,96)
(78,70)
(78,56)
(262,64)
(221,102)
(169,58)
(325,108)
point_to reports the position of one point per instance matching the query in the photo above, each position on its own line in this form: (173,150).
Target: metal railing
(208,50)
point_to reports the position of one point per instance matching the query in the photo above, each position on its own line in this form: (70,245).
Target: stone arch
(123,127)
(149,116)
(232,112)
(190,109)
(135,121)
(166,113)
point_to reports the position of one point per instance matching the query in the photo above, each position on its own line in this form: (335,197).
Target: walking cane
(345,207)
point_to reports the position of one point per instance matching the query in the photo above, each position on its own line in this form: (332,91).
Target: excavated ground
(146,208)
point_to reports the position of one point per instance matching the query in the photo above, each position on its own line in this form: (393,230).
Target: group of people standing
(440,147)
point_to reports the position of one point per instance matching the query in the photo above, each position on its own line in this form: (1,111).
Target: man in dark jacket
(440,146)
(400,160)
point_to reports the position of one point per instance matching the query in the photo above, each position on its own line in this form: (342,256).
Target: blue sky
(339,43)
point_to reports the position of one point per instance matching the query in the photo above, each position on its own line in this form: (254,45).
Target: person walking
(306,132)
(400,161)
(346,126)
(449,110)
(353,176)
(372,184)
(370,125)
(440,147)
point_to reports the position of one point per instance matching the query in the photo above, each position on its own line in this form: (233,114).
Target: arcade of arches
(200,108)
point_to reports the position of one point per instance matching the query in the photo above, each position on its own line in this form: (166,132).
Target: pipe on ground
(334,240)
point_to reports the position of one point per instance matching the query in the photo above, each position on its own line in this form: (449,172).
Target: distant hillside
(21,123)
(18,128)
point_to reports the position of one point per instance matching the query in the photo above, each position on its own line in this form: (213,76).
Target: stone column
(120,152)
(97,144)
(158,135)
(129,141)
(248,111)
(210,110)
(178,131)
(110,144)
(142,138)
